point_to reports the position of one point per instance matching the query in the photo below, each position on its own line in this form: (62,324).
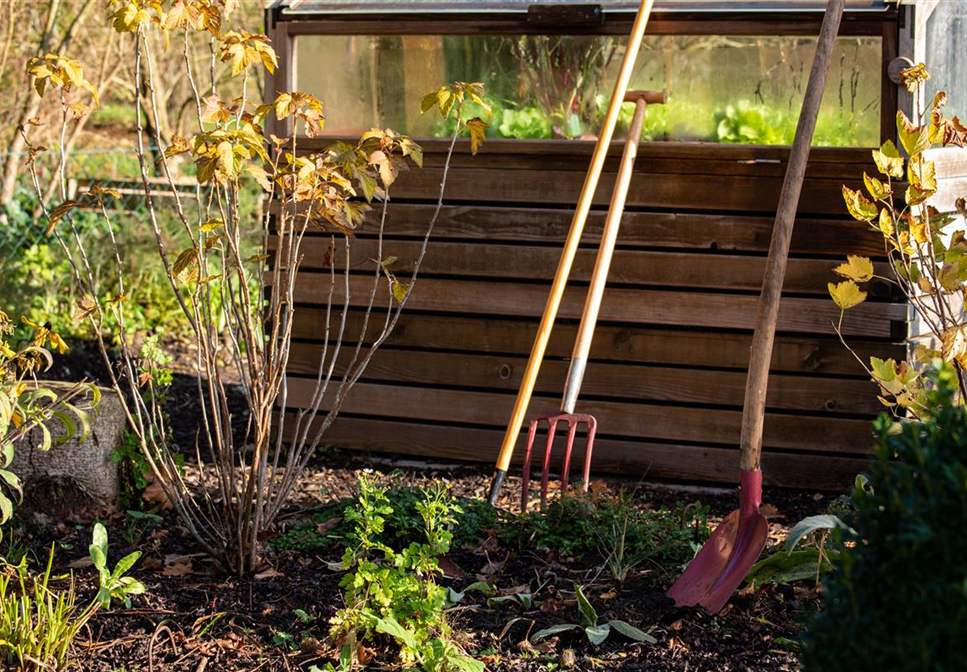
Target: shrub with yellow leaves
(927,253)
(239,334)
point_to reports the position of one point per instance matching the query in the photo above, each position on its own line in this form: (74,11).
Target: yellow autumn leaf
(878,190)
(888,160)
(846,294)
(860,207)
(859,269)
(886,222)
(954,345)
(915,139)
(478,132)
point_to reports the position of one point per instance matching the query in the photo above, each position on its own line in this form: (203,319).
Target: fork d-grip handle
(753,410)
(570,249)
(602,264)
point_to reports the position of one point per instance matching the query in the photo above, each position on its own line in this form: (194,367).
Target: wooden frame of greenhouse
(667,371)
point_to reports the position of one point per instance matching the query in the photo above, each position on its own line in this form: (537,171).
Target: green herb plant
(394,593)
(595,631)
(38,622)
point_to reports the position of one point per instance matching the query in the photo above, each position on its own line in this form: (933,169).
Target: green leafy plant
(752,124)
(394,592)
(625,536)
(928,256)
(595,632)
(527,122)
(790,565)
(38,622)
(897,599)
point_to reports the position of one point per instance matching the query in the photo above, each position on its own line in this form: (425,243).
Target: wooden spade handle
(753,410)
(602,264)
(570,247)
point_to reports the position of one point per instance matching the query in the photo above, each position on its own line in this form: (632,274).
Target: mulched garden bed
(195,619)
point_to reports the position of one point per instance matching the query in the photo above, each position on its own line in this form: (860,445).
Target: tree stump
(76,474)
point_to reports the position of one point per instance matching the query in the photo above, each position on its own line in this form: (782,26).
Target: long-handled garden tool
(570,249)
(736,544)
(589,318)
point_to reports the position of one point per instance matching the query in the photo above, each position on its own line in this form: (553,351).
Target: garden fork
(589,317)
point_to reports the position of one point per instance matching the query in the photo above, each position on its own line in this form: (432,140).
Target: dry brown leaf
(178,569)
(269,573)
(154,493)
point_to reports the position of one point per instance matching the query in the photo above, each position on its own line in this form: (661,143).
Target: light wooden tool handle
(570,247)
(753,410)
(612,223)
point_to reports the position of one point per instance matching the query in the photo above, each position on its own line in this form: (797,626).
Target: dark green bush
(898,598)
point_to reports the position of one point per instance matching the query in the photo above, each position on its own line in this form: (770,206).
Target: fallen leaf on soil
(516,590)
(154,493)
(746,590)
(364,655)
(510,623)
(451,569)
(610,595)
(269,573)
(330,524)
(152,562)
(769,511)
(545,645)
(491,568)
(677,625)
(178,569)
(675,643)
(81,562)
(598,488)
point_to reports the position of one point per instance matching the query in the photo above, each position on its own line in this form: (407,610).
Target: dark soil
(194,618)
(192,613)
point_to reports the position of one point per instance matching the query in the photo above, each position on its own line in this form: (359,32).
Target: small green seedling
(596,632)
(113,584)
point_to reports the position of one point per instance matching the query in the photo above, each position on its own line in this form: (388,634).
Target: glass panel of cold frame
(726,89)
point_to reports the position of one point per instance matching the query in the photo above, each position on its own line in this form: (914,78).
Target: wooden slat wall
(667,375)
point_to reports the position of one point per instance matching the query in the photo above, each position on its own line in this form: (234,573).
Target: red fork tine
(592,430)
(528,451)
(551,431)
(573,421)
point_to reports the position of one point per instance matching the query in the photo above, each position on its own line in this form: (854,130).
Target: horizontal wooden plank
(647,151)
(628,267)
(717,311)
(656,163)
(718,193)
(616,456)
(736,233)
(615,419)
(619,343)
(602,380)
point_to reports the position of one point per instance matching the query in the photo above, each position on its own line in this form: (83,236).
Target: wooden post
(753,411)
